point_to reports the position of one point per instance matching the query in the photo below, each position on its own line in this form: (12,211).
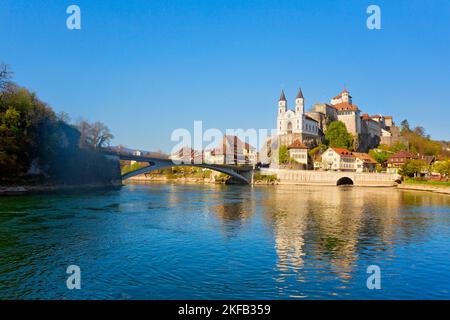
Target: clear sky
(146,68)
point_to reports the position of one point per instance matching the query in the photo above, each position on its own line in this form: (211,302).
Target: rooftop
(297,144)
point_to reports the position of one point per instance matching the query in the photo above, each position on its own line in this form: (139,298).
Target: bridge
(244,173)
(241,173)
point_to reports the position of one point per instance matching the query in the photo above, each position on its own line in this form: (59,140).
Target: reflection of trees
(233,206)
(336,225)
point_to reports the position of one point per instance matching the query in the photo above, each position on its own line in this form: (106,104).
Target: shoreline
(38,189)
(423,187)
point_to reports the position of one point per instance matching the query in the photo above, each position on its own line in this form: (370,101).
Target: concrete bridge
(241,173)
(244,173)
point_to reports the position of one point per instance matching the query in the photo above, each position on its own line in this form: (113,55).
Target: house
(364,162)
(214,156)
(338,159)
(232,151)
(397,160)
(137,153)
(187,155)
(299,152)
(317,161)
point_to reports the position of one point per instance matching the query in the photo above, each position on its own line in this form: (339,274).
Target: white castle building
(296,124)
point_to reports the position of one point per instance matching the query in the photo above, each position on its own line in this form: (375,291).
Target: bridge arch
(153,166)
(344,181)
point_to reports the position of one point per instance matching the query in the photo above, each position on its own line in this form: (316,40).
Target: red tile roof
(343,152)
(404,155)
(365,157)
(297,144)
(345,106)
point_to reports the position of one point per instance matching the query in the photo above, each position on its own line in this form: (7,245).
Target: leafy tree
(321,147)
(442,167)
(413,167)
(33,140)
(380,156)
(337,135)
(283,154)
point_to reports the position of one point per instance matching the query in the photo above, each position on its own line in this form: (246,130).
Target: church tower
(282,103)
(300,102)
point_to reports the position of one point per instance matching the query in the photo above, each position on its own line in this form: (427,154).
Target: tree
(96,135)
(5,75)
(283,154)
(404,125)
(442,167)
(337,135)
(320,148)
(63,116)
(420,131)
(412,168)
(380,156)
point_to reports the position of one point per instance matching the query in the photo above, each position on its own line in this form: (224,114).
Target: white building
(299,152)
(232,151)
(295,121)
(338,159)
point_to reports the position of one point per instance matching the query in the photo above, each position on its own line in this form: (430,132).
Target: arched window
(289,127)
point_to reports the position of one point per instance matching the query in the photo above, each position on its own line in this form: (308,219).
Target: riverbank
(425,187)
(33,189)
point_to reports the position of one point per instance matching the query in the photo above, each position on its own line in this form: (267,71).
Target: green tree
(412,168)
(380,156)
(320,148)
(442,167)
(283,154)
(337,135)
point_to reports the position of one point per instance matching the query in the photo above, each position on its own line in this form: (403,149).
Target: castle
(309,127)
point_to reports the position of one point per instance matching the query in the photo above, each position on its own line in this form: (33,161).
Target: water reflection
(332,227)
(223,242)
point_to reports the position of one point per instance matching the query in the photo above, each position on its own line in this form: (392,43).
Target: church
(296,124)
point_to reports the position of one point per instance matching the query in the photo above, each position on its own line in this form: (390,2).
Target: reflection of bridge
(240,173)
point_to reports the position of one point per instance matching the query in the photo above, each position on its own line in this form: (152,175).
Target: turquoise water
(163,241)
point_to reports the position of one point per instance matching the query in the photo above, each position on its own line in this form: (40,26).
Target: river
(175,241)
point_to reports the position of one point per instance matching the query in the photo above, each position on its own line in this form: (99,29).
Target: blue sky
(146,68)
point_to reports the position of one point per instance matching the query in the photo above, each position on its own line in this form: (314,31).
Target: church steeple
(300,102)
(282,104)
(299,94)
(282,96)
